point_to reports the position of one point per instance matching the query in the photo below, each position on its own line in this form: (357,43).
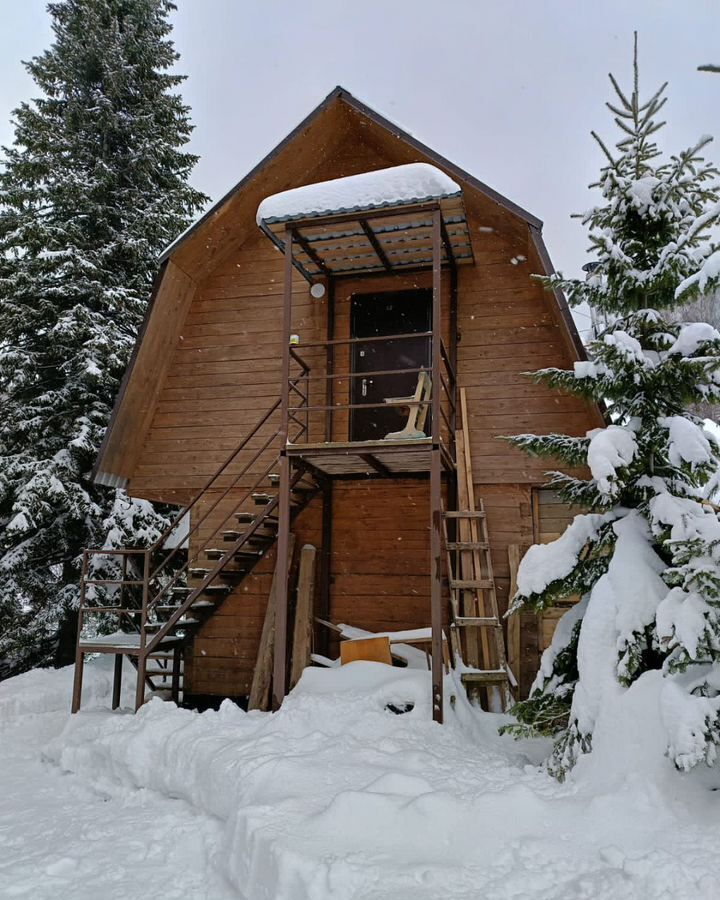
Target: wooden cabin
(339,377)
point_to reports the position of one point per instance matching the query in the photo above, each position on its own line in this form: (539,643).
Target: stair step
(181,623)
(472,584)
(467,545)
(477,621)
(185,591)
(464,514)
(217,553)
(198,572)
(262,499)
(274,480)
(248,518)
(258,536)
(488,676)
(161,673)
(196,604)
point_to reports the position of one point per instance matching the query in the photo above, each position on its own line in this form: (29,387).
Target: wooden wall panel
(224,374)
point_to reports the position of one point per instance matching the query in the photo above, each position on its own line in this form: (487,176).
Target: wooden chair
(418,409)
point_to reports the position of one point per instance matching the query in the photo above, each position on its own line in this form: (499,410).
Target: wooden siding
(551,517)
(223,374)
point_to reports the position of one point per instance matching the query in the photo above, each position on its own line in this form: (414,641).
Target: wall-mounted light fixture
(317,290)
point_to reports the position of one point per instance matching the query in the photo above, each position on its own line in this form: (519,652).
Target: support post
(323,643)
(330,359)
(79,655)
(175,681)
(142,658)
(281,570)
(436,484)
(117,680)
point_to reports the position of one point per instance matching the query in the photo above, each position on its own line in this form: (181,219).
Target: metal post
(123,579)
(326,561)
(79,655)
(281,563)
(176,661)
(142,659)
(117,680)
(452,378)
(436,485)
(330,359)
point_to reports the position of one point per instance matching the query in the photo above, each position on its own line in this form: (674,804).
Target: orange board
(374,649)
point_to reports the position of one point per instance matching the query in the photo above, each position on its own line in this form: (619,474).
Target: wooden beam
(262,674)
(380,253)
(466,473)
(376,465)
(515,554)
(302,241)
(304,609)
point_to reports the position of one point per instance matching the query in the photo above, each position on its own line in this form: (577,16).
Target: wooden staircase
(160,598)
(476,633)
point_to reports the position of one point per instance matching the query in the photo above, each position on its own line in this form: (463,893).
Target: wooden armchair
(418,410)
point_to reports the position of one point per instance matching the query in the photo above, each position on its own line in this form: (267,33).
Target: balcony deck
(362,459)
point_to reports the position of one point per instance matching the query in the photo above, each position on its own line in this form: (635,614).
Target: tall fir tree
(95,184)
(645,559)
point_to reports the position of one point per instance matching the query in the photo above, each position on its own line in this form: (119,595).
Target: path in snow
(336,798)
(63,837)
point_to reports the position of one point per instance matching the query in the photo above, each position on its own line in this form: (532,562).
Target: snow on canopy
(412,183)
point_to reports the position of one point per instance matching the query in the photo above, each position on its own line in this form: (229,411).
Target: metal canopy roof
(394,238)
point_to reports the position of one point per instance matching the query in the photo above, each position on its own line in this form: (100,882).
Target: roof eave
(341,93)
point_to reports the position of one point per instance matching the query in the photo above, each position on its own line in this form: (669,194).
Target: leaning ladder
(476,634)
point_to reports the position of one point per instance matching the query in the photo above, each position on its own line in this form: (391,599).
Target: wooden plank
(262,675)
(515,554)
(302,635)
(374,649)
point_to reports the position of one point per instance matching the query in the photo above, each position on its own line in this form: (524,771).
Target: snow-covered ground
(337,797)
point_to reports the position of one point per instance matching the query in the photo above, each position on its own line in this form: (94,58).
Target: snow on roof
(412,183)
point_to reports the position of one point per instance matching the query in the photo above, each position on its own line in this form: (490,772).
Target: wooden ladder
(476,633)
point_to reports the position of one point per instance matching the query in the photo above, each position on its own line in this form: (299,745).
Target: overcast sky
(508,89)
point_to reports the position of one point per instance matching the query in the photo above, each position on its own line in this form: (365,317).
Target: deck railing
(445,379)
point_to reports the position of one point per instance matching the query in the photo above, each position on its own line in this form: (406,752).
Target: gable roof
(225,226)
(339,93)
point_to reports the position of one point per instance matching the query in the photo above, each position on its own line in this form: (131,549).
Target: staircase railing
(157,577)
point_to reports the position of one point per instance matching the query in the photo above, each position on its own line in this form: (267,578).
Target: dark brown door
(374,315)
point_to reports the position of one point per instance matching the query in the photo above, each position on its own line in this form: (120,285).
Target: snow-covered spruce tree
(93,187)
(645,559)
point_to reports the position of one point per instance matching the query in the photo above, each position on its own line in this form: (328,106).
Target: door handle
(363,387)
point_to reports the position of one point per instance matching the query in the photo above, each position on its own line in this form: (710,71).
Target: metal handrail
(181,515)
(364,340)
(231,551)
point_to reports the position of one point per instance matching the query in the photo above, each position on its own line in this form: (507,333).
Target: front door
(374,315)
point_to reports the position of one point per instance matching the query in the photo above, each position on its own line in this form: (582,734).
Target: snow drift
(335,796)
